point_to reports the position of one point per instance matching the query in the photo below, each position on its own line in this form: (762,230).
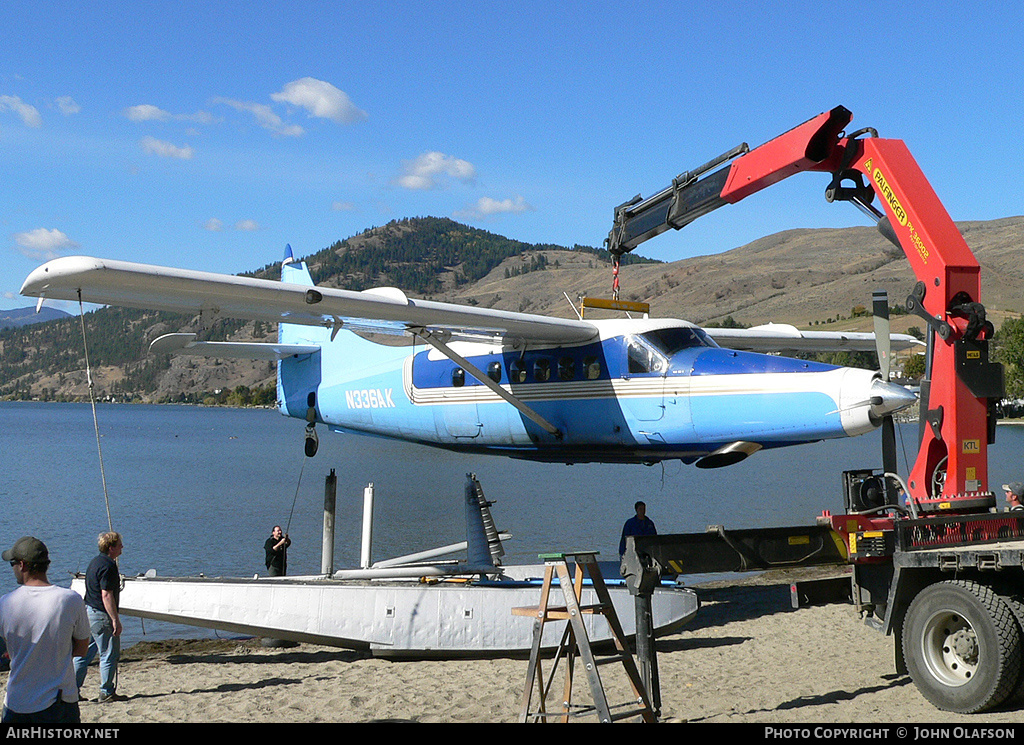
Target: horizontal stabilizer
(780,337)
(186,344)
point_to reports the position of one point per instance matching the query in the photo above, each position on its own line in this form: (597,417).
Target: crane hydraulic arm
(961,386)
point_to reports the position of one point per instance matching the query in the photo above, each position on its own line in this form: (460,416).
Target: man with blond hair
(102,593)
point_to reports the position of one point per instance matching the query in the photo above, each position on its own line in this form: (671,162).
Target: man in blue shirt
(640,524)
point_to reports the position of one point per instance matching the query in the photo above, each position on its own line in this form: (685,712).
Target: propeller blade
(880,311)
(889,445)
(883,346)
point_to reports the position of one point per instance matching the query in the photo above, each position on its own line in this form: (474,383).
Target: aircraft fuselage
(644,392)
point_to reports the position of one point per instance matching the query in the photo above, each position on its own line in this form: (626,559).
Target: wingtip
(289,257)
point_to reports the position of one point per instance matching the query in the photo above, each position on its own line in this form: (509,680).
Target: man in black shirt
(102,593)
(276,549)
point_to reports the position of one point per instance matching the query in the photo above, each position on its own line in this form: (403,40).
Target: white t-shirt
(37,623)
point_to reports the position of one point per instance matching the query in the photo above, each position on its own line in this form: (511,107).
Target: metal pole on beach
(367,541)
(330,500)
(646,653)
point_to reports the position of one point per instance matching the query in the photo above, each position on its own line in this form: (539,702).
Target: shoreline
(748,657)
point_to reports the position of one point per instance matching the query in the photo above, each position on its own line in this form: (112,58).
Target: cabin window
(541,370)
(517,372)
(639,358)
(566,368)
(643,359)
(494,371)
(458,377)
(591,368)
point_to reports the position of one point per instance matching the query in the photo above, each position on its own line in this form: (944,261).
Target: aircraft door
(642,384)
(678,423)
(459,415)
(461,420)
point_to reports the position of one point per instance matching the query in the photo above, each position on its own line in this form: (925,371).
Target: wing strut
(437,341)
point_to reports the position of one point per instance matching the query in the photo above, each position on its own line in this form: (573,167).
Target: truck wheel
(1014,603)
(962,646)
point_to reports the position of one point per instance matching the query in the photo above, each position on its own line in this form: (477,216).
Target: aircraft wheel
(962,646)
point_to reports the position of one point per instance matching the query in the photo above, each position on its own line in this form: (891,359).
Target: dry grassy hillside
(798,277)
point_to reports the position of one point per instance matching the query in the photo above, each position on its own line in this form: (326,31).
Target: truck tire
(962,646)
(1016,605)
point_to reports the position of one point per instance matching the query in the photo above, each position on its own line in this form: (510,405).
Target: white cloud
(200,117)
(164,149)
(29,114)
(42,244)
(342,206)
(320,99)
(423,172)
(146,113)
(486,206)
(67,106)
(215,225)
(265,117)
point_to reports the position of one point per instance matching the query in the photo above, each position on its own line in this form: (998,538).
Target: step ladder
(576,642)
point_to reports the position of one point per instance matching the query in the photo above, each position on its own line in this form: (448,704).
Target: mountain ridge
(17,317)
(807,277)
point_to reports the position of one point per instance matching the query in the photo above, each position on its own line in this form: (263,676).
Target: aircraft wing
(133,285)
(781,337)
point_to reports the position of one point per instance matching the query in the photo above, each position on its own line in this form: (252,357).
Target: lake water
(197,490)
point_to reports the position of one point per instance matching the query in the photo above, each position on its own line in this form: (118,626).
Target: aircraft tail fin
(296,272)
(293,271)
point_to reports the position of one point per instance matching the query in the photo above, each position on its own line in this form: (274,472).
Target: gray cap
(28,549)
(1016,488)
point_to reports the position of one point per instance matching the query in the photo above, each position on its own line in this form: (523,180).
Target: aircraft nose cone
(887,398)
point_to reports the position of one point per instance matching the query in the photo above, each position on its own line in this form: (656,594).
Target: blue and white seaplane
(624,390)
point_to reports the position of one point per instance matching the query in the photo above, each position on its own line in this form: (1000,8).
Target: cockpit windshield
(668,341)
(652,351)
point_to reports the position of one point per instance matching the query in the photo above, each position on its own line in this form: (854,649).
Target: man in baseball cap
(43,626)
(1014,496)
(30,550)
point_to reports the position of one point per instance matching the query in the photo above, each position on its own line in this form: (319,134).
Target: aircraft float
(620,390)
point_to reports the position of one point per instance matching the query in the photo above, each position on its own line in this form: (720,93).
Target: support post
(646,653)
(364,556)
(330,500)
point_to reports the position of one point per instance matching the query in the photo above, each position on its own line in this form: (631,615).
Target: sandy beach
(748,657)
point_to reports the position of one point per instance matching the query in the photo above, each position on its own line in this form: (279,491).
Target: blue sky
(207,135)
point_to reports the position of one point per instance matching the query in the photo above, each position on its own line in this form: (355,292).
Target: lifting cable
(96,428)
(291,512)
(615,276)
(95,421)
(99,449)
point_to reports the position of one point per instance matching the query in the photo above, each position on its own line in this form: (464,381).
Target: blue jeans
(106,645)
